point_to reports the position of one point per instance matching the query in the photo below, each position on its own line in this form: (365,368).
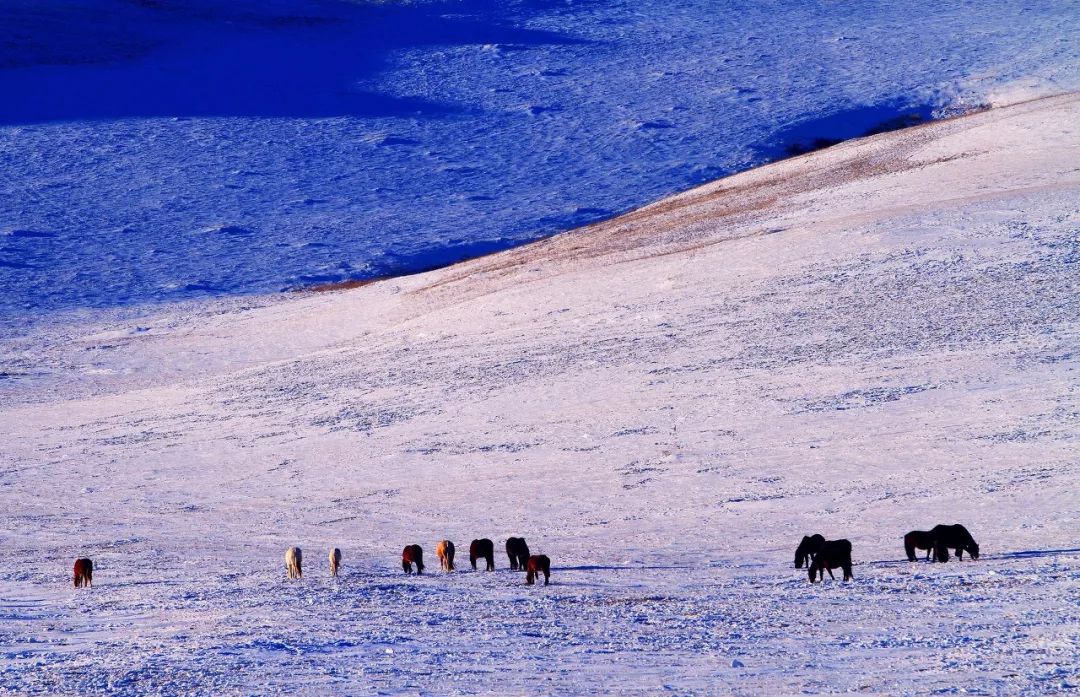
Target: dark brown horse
(536,565)
(518,552)
(954,537)
(84,573)
(413,554)
(482,549)
(808,549)
(833,554)
(918,539)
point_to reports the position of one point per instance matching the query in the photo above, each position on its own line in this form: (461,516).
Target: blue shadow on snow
(115,59)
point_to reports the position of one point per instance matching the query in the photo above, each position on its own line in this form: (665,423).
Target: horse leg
(830,574)
(547,575)
(847,573)
(959,554)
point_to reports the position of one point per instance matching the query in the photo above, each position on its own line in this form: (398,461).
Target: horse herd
(821,555)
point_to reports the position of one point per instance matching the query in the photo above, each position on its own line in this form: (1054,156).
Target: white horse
(335,561)
(293,559)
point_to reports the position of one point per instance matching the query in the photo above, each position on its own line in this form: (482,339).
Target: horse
(445,552)
(956,537)
(808,549)
(335,561)
(482,549)
(294,558)
(537,563)
(412,554)
(832,554)
(84,573)
(919,539)
(518,552)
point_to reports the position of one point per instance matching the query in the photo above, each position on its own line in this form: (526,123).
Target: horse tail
(909,546)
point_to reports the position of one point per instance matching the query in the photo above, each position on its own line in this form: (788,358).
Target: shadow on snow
(115,59)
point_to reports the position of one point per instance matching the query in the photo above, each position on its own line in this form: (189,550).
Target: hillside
(865,340)
(169,150)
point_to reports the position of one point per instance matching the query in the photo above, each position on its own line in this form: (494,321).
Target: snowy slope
(162,150)
(869,339)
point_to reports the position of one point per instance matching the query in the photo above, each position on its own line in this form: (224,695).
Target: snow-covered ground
(873,338)
(169,149)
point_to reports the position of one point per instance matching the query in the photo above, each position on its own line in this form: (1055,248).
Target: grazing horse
(919,539)
(537,563)
(413,554)
(84,573)
(833,554)
(445,552)
(335,561)
(956,537)
(808,549)
(482,549)
(518,552)
(294,559)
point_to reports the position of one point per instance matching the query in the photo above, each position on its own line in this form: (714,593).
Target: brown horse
(518,552)
(445,552)
(482,549)
(919,539)
(413,554)
(84,573)
(536,565)
(832,555)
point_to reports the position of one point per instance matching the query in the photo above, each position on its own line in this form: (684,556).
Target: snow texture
(865,340)
(160,150)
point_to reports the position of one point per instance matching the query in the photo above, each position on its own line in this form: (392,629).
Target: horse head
(802,552)
(812,569)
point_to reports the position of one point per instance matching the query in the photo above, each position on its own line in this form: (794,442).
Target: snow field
(867,340)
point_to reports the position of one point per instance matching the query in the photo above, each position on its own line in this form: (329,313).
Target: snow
(169,150)
(865,340)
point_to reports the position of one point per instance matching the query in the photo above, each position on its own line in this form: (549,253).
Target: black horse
(482,549)
(833,554)
(808,549)
(955,537)
(518,552)
(919,539)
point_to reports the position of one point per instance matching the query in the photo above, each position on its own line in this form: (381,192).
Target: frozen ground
(873,338)
(170,149)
